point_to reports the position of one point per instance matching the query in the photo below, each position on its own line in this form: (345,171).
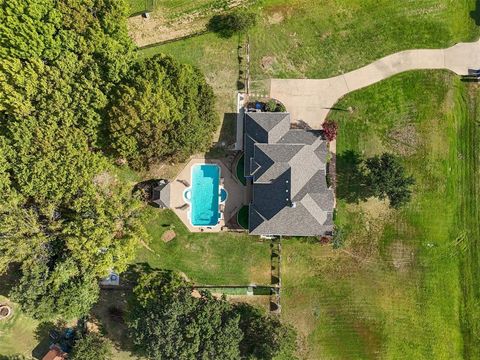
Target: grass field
(405,286)
(304,38)
(138,6)
(206,258)
(17,334)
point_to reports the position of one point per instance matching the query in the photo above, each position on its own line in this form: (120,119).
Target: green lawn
(206,258)
(17,334)
(314,39)
(406,284)
(138,6)
(304,38)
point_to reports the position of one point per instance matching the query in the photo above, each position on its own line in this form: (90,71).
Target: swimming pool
(204,195)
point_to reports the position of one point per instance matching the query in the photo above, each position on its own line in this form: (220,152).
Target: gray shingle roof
(161,195)
(289,193)
(263,128)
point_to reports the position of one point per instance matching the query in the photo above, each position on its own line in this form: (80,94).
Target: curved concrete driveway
(310,100)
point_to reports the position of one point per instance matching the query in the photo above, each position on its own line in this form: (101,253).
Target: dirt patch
(104,180)
(155,29)
(404,140)
(325,35)
(163,24)
(275,18)
(267,62)
(196,294)
(262,301)
(164,170)
(93,326)
(375,209)
(402,256)
(168,236)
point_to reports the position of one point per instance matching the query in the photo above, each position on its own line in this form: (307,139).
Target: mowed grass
(138,6)
(406,283)
(318,39)
(315,39)
(206,258)
(17,334)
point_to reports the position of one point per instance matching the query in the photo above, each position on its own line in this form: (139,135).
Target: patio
(236,195)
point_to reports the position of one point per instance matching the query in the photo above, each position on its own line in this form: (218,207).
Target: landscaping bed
(240,170)
(242,217)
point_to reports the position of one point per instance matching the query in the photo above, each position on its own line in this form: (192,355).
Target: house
(287,172)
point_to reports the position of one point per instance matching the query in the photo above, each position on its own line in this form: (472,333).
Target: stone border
(9,311)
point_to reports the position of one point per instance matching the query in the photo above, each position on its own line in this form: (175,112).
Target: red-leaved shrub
(330,130)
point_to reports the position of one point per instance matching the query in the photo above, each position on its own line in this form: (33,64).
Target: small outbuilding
(55,353)
(161,194)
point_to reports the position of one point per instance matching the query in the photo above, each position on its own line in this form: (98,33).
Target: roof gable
(290,195)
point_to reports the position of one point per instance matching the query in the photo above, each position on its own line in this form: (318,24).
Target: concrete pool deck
(236,195)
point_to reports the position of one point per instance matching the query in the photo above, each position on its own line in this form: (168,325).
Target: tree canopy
(231,23)
(61,223)
(166,321)
(163,110)
(386,178)
(92,346)
(70,84)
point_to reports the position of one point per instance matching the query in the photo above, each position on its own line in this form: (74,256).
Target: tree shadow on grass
(351,182)
(44,335)
(223,149)
(9,279)
(475,14)
(111,311)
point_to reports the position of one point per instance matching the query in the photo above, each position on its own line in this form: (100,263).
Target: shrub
(271,105)
(330,130)
(236,22)
(280,108)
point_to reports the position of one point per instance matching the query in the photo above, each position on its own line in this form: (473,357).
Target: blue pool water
(204,195)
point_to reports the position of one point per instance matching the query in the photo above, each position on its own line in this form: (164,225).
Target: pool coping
(220,188)
(235,200)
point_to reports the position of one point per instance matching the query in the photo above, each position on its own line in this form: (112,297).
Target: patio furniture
(184,182)
(182,207)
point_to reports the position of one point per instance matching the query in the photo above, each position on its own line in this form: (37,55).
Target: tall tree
(235,22)
(166,322)
(60,224)
(386,177)
(265,337)
(92,346)
(164,110)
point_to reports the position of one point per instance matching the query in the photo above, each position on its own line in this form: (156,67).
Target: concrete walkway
(310,100)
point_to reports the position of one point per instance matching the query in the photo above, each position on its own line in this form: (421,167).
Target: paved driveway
(310,100)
